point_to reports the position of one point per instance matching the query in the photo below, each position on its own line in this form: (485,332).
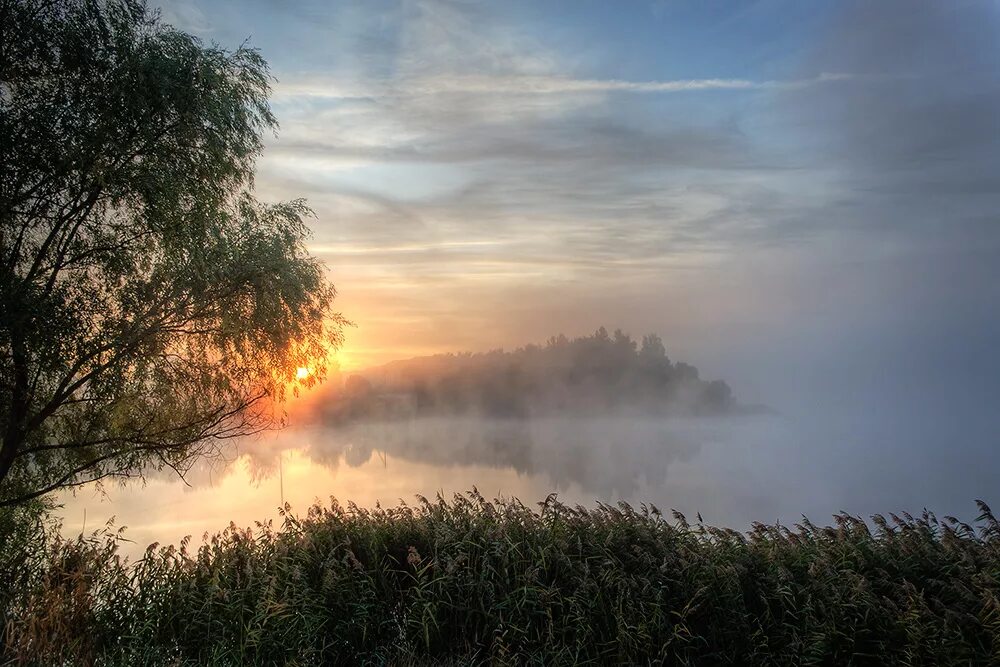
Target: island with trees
(591,375)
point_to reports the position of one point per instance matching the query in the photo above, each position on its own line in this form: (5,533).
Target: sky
(800,197)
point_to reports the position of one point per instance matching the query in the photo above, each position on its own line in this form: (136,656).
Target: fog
(829,249)
(929,446)
(863,421)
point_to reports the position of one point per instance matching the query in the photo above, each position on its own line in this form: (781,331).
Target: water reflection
(731,470)
(606,459)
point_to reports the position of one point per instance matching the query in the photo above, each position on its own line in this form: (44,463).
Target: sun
(301,373)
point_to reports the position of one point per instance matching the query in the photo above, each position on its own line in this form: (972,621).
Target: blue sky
(782,189)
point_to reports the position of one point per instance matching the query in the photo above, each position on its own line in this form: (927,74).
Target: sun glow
(301,373)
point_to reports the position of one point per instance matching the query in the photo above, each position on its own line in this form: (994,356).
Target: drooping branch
(210,428)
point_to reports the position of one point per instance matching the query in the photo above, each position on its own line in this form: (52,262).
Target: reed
(471,580)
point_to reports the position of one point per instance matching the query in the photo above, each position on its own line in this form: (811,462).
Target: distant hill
(598,374)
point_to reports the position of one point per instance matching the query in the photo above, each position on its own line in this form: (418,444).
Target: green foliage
(473,581)
(149,304)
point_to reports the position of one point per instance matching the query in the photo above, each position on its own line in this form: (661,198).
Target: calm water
(733,471)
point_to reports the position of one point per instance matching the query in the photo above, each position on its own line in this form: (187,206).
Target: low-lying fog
(885,411)
(859,455)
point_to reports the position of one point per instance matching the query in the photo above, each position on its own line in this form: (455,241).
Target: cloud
(528,85)
(185,15)
(933,122)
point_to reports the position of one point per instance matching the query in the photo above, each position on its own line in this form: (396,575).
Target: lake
(733,470)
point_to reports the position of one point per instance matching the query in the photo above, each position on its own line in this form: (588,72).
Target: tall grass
(477,581)
(27,538)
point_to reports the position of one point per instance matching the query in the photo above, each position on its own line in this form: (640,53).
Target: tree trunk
(17,411)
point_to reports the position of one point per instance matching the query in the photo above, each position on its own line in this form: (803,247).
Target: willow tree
(149,304)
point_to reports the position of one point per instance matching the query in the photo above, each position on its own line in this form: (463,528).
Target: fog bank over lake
(733,470)
(890,416)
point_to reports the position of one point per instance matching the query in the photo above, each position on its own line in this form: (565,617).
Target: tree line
(600,373)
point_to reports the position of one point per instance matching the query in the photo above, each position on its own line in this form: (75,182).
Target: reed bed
(477,581)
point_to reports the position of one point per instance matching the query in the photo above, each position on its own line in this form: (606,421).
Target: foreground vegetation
(477,581)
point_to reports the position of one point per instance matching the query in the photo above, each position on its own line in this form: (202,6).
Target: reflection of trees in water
(607,456)
(258,454)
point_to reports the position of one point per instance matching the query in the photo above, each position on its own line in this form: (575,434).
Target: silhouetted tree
(148,302)
(718,396)
(652,349)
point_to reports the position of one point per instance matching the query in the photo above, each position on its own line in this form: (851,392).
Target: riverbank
(472,580)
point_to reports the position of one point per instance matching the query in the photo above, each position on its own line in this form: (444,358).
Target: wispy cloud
(529,85)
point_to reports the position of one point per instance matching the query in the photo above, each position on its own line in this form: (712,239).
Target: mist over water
(856,452)
(887,413)
(830,251)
